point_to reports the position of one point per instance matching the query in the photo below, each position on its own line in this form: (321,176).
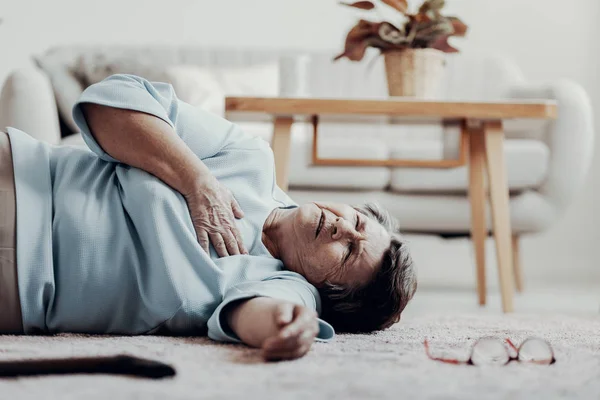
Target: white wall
(550,39)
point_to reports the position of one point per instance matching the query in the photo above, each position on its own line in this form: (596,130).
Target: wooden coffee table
(482,147)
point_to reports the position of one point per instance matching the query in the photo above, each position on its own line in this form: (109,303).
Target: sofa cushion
(303,175)
(526,160)
(530,211)
(67,89)
(207,87)
(94,67)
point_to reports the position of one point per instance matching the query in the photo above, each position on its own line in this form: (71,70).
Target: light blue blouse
(103,247)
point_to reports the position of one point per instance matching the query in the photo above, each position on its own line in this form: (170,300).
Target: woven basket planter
(415,72)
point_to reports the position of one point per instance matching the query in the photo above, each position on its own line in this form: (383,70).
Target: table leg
(282,135)
(499,200)
(477,200)
(517,263)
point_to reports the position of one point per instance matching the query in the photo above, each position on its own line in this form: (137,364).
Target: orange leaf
(355,52)
(363,5)
(358,39)
(400,5)
(460,28)
(443,45)
(419,18)
(432,5)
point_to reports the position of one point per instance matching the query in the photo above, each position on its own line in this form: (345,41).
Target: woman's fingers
(239,241)
(237,213)
(219,244)
(276,348)
(203,240)
(213,210)
(230,242)
(303,318)
(219,223)
(235,207)
(300,352)
(280,349)
(273,350)
(227,242)
(300,328)
(284,314)
(280,344)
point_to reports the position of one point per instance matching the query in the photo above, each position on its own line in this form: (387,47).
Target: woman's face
(333,242)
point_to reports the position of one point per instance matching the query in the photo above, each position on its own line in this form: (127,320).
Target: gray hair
(378,304)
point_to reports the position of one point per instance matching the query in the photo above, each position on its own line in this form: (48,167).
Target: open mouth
(320,224)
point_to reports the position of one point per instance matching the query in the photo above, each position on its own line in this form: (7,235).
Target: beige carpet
(387,365)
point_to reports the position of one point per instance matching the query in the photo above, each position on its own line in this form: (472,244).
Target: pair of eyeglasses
(494,351)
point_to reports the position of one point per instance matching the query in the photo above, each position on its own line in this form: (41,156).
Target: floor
(386,365)
(571,300)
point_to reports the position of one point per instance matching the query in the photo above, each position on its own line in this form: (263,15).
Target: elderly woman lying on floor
(173,224)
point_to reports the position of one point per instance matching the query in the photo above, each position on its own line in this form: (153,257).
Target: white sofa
(545,167)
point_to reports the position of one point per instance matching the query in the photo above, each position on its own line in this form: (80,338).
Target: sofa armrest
(27,103)
(570,139)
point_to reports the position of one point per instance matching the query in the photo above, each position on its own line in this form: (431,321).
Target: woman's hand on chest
(213,210)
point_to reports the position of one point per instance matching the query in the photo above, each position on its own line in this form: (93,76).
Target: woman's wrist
(196,180)
(252,320)
(187,173)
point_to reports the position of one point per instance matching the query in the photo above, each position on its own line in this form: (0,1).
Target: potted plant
(413,44)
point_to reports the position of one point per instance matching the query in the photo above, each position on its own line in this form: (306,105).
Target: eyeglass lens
(493,351)
(537,351)
(489,351)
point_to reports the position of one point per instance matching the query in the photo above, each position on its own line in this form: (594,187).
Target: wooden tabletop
(396,107)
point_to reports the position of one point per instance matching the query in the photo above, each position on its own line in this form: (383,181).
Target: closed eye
(351,244)
(349,252)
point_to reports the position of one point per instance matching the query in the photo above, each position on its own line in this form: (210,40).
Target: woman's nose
(343,229)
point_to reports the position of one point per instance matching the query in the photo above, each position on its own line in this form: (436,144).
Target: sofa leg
(477,199)
(517,264)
